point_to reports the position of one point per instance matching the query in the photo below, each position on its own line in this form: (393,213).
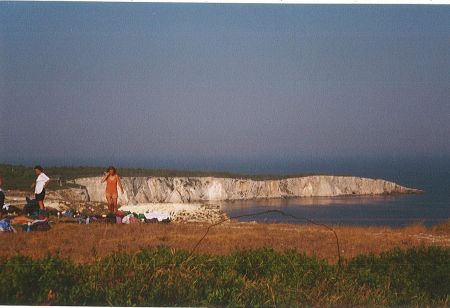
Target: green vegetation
(419,276)
(21,177)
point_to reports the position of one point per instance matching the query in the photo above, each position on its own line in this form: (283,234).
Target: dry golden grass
(85,243)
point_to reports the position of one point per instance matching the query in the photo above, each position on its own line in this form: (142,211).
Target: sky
(222,86)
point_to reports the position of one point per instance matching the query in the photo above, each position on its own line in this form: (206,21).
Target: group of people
(111,178)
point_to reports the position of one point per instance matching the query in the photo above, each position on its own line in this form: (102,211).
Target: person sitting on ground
(2,194)
(6,208)
(112,180)
(40,185)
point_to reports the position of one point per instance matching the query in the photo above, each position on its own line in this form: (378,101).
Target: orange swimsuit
(111,186)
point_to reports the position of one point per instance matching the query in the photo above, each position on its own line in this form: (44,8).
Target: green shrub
(27,281)
(415,276)
(163,276)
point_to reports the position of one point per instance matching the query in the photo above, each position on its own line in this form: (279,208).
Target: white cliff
(194,189)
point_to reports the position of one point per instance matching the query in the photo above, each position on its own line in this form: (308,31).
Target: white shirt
(40,182)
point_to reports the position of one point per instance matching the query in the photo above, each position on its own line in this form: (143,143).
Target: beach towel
(134,220)
(120,214)
(68,213)
(126,219)
(5,226)
(21,220)
(157,215)
(118,220)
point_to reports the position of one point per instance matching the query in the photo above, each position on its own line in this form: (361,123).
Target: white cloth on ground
(126,219)
(157,215)
(38,220)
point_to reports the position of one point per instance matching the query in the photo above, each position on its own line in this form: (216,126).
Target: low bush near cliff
(419,276)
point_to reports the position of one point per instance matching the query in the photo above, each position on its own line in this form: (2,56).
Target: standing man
(40,185)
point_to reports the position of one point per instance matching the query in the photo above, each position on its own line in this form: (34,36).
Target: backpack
(31,207)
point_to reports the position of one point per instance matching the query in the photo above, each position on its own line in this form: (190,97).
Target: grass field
(264,277)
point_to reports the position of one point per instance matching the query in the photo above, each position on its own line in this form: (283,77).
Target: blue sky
(217,86)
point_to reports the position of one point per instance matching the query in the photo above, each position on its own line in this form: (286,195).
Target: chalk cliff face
(194,189)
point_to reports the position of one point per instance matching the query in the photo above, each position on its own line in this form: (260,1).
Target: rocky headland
(140,190)
(196,199)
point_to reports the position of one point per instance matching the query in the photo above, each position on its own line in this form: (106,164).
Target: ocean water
(396,210)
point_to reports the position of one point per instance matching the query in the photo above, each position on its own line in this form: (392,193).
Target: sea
(397,210)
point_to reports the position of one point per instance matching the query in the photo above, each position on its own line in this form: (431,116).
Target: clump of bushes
(418,276)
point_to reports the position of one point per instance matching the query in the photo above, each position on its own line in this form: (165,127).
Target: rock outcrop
(73,194)
(194,189)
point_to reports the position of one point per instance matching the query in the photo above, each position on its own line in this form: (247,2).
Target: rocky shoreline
(182,212)
(196,199)
(206,189)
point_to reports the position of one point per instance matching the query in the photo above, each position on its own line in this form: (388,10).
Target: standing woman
(112,180)
(40,185)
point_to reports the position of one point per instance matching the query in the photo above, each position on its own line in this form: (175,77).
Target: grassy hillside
(21,177)
(166,277)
